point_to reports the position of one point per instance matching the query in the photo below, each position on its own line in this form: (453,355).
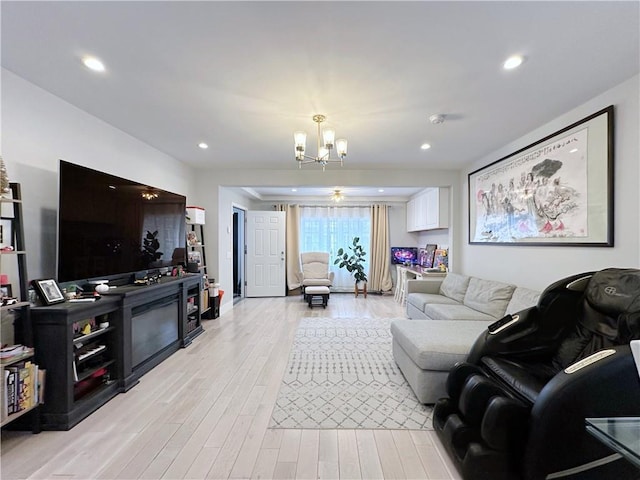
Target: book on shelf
(11,374)
(24,387)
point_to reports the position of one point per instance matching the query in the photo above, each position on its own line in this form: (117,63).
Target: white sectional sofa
(460,297)
(445,318)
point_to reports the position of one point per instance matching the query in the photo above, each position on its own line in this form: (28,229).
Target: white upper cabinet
(428,210)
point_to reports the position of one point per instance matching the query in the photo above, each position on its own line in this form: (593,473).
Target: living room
(39,128)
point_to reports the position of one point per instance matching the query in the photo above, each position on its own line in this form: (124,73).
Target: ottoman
(317,296)
(425,351)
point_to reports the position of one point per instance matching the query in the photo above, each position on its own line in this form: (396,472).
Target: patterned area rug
(341,374)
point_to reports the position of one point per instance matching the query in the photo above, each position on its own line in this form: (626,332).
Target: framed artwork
(194,257)
(430,251)
(49,291)
(557,191)
(192,238)
(5,291)
(6,237)
(422,256)
(441,259)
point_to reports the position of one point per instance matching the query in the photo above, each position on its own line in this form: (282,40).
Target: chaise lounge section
(445,318)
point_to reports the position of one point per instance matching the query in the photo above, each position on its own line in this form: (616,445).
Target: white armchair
(315,270)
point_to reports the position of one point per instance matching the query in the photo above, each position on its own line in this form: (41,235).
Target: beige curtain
(294,272)
(379,273)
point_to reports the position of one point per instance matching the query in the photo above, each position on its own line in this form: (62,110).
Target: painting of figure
(541,194)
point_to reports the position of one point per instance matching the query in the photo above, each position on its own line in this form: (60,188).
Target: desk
(620,434)
(413,272)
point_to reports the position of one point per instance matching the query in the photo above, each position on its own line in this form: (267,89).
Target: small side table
(621,434)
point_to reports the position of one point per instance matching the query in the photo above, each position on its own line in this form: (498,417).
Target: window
(327,229)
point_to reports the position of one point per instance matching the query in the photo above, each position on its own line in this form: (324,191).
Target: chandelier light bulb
(300,139)
(329,137)
(341,147)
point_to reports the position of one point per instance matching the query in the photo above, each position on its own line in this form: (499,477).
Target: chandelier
(326,143)
(149,194)
(337,196)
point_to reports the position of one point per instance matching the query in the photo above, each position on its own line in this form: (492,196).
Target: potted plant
(353,262)
(150,248)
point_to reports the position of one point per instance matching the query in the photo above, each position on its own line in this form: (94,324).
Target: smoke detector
(436,119)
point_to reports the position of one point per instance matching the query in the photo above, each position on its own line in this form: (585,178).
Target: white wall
(38,129)
(215,185)
(537,267)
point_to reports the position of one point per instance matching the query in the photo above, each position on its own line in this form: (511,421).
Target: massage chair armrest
(605,384)
(423,286)
(538,330)
(606,387)
(515,335)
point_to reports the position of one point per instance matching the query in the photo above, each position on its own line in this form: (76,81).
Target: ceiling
(243,76)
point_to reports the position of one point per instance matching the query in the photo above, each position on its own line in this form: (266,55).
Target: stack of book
(23,387)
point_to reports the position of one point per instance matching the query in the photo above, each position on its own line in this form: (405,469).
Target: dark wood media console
(93,351)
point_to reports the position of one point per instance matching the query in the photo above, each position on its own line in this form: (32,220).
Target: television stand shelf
(146,324)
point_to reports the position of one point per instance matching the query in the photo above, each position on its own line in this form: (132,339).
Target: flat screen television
(106,227)
(404,255)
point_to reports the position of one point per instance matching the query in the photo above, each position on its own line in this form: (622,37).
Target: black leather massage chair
(516,408)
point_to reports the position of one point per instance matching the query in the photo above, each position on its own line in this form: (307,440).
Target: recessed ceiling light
(425,146)
(203,145)
(93,63)
(294,189)
(512,62)
(380,190)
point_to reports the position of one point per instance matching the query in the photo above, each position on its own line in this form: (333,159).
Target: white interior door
(265,236)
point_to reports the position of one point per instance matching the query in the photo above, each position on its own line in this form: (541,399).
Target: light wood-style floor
(203,413)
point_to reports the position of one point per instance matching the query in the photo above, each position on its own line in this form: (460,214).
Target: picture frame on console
(5,291)
(430,251)
(557,191)
(49,291)
(6,234)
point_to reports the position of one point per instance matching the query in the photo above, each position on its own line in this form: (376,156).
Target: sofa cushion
(488,296)
(522,298)
(439,344)
(455,286)
(437,311)
(419,300)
